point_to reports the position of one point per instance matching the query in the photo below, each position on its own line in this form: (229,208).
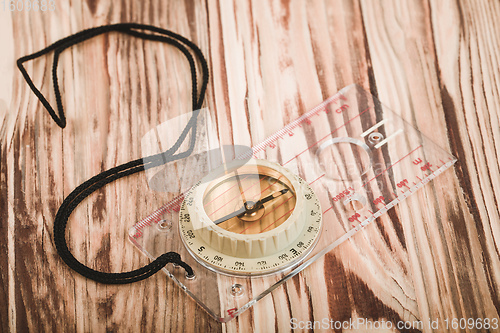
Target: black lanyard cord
(129,168)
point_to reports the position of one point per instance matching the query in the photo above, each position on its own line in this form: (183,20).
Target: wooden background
(435,257)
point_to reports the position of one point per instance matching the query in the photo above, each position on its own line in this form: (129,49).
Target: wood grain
(434,257)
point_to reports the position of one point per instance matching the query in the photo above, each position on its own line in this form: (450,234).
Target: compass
(250,218)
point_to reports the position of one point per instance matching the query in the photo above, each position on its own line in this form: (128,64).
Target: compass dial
(250,200)
(254,218)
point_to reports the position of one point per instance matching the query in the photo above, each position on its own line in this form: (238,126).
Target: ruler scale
(358,157)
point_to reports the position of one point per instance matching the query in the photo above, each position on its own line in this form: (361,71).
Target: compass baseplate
(358,157)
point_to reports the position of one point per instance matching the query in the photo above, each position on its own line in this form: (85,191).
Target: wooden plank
(105,123)
(434,257)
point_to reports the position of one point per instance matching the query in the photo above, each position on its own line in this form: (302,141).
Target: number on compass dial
(250,201)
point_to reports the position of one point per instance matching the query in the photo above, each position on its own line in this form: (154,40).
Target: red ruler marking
(156,215)
(393,164)
(317,179)
(327,209)
(288,129)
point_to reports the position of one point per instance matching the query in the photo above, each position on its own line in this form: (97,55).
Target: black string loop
(85,189)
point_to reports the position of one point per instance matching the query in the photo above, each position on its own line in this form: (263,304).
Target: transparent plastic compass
(248,225)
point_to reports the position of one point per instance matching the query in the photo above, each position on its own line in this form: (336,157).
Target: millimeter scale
(250,224)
